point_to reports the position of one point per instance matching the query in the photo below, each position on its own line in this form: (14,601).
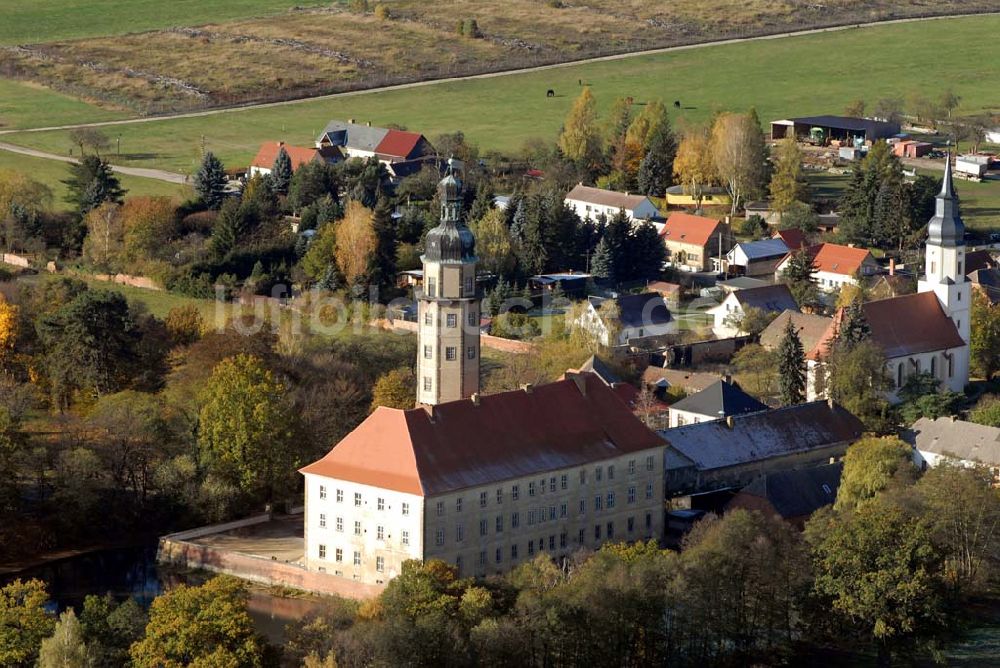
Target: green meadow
(24,105)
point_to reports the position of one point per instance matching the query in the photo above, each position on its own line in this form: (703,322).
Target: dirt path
(158,174)
(490,75)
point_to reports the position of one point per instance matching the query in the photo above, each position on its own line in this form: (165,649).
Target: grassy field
(190,64)
(26,21)
(781,78)
(51,173)
(25,105)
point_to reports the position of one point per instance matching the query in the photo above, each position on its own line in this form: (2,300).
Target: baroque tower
(944,268)
(448,304)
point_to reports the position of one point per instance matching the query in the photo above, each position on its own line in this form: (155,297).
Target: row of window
(380,533)
(450,352)
(551,485)
(451,319)
(338,557)
(541,515)
(469,286)
(380,501)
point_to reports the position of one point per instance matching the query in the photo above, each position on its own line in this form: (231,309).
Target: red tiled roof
(689,229)
(398,144)
(793,238)
(299,155)
(837,259)
(907,325)
(457,445)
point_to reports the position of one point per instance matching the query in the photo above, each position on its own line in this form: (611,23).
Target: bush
(515,326)
(382,13)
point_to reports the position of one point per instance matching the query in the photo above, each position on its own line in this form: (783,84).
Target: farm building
(714,196)
(841,129)
(911,149)
(403,153)
(756,258)
(791,495)
(299,155)
(590,202)
(972,166)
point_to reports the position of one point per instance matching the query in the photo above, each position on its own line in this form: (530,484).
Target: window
(899,375)
(451,320)
(470,284)
(379,532)
(440,508)
(357,527)
(631,467)
(458,505)
(472,318)
(583,507)
(357,558)
(499,495)
(649,463)
(458,563)
(552,484)
(581,536)
(340,524)
(322,491)
(552,512)
(541,544)
(564,481)
(649,490)
(631,494)
(432,286)
(598,472)
(357,499)
(597,532)
(563,511)
(531,547)
(951,365)
(379,564)
(439,537)
(322,520)
(934,366)
(515,520)
(405,539)
(322,551)
(531,517)
(531,489)
(611,530)
(482,557)
(427,383)
(499,523)
(515,492)
(428,318)
(583,477)
(552,542)
(406,508)
(598,502)
(499,555)
(483,528)
(541,486)
(631,524)
(611,472)
(649,520)
(381,503)
(482,499)
(340,496)
(338,555)
(611,500)
(513,551)
(459,532)
(562,540)
(450,354)
(428,352)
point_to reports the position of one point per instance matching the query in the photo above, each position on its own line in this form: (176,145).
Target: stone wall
(15,260)
(485,340)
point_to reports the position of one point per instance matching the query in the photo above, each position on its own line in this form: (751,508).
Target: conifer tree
(210,181)
(382,270)
(657,167)
(791,367)
(281,171)
(854,327)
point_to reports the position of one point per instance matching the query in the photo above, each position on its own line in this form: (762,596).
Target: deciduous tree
(738,153)
(870,466)
(580,140)
(395,389)
(65,648)
(355,243)
(984,345)
(493,243)
(788,185)
(693,165)
(24,622)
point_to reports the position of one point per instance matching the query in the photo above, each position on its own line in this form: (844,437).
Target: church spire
(946,227)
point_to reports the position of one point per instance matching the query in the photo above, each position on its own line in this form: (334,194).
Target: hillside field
(27,105)
(785,77)
(156,58)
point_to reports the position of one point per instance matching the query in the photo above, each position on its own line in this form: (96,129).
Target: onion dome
(451,240)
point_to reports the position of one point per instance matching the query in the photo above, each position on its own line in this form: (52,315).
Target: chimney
(730,423)
(833,460)
(475,398)
(528,388)
(368,123)
(892,266)
(351,121)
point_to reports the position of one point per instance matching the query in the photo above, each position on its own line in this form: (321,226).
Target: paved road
(158,174)
(180,178)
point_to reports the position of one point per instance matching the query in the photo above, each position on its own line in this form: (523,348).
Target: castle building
(926,332)
(482,482)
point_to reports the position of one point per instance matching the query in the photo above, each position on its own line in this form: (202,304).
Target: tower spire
(946,227)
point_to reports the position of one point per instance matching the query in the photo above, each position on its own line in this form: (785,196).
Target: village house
(791,495)
(403,153)
(263,162)
(957,442)
(691,240)
(482,482)
(589,202)
(810,327)
(836,265)
(671,292)
(755,258)
(734,451)
(793,237)
(924,332)
(719,400)
(639,316)
(676,381)
(651,410)
(728,315)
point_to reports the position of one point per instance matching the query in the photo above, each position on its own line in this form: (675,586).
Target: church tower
(944,266)
(448,305)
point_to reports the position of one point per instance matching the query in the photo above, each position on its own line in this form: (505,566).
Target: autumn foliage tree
(580,140)
(355,242)
(738,152)
(395,389)
(693,165)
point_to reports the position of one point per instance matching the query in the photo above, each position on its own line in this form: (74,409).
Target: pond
(133,572)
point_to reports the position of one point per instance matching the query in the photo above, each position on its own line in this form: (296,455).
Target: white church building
(924,332)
